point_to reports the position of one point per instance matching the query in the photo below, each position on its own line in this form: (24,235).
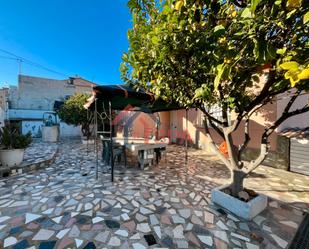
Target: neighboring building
(279,155)
(4,94)
(139,124)
(34,96)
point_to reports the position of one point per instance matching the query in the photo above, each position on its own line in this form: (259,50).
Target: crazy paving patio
(165,206)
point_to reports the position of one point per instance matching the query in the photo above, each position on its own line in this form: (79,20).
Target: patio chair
(118,151)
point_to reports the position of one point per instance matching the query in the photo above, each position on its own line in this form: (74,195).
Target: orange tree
(205,52)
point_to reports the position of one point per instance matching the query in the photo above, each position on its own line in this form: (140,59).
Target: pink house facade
(174,126)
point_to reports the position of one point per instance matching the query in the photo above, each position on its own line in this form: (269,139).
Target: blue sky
(84,37)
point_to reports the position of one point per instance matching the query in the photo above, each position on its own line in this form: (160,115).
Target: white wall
(36,95)
(2,117)
(32,120)
(69,130)
(35,127)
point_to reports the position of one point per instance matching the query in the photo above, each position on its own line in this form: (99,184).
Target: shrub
(11,138)
(73,112)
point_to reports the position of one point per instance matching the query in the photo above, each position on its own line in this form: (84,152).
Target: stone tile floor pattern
(35,153)
(288,187)
(167,206)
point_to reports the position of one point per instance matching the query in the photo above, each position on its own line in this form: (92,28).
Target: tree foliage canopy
(196,51)
(237,54)
(73,112)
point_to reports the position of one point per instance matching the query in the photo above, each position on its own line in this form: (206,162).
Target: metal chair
(118,151)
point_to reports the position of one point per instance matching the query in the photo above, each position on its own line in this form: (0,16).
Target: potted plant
(13,145)
(73,112)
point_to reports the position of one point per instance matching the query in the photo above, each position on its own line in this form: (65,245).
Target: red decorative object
(223,148)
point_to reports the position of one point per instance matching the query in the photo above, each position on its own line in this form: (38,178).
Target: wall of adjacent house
(279,151)
(31,121)
(2,117)
(164,124)
(139,124)
(35,95)
(196,132)
(4,92)
(300,121)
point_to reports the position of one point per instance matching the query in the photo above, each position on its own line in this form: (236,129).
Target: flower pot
(246,210)
(12,157)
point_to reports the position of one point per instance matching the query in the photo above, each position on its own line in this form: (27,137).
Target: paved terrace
(167,206)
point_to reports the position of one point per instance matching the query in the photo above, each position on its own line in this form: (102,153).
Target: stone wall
(36,95)
(40,94)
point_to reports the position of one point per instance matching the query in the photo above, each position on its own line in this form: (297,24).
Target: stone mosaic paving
(167,206)
(39,152)
(288,187)
(37,156)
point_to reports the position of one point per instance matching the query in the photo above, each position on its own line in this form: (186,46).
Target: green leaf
(290,65)
(261,52)
(293,4)
(218,28)
(271,51)
(304,74)
(256,49)
(278,2)
(198,93)
(281,51)
(178,5)
(306,18)
(125,57)
(220,70)
(254,4)
(246,13)
(241,33)
(155,40)
(290,13)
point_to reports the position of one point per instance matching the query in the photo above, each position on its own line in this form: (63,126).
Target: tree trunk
(86,130)
(238,177)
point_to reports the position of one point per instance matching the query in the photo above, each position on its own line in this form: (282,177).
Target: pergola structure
(106,98)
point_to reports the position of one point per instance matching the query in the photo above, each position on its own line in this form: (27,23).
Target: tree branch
(292,100)
(247,139)
(247,132)
(216,128)
(210,117)
(224,108)
(215,148)
(264,145)
(264,92)
(231,149)
(252,109)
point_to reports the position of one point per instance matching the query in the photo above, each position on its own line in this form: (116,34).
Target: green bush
(11,138)
(73,112)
